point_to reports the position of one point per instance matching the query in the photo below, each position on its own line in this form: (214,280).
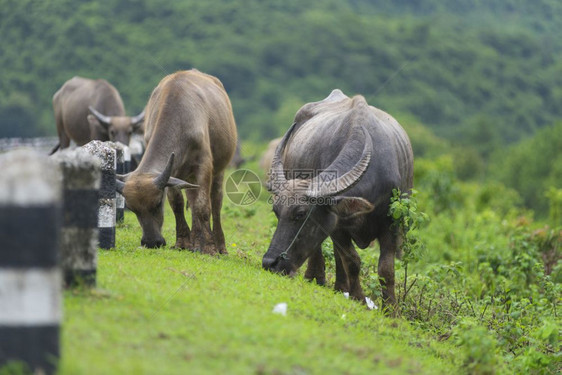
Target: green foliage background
(464,78)
(457,67)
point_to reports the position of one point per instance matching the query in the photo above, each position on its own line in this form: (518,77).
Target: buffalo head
(116,128)
(308,210)
(144,195)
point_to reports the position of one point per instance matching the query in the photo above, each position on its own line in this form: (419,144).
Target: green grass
(166,311)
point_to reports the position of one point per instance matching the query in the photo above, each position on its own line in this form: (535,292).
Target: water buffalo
(267,157)
(332,175)
(87,109)
(190,137)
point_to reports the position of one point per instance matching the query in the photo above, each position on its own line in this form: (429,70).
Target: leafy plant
(407,220)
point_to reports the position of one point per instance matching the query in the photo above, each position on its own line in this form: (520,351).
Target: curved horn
(138,118)
(161,180)
(102,118)
(323,186)
(277,173)
(120,180)
(119,186)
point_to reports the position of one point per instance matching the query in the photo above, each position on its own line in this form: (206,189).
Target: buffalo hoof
(204,249)
(210,250)
(182,243)
(320,281)
(341,287)
(320,277)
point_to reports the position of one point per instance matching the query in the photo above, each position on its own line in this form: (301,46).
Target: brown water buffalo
(190,137)
(332,175)
(87,109)
(267,157)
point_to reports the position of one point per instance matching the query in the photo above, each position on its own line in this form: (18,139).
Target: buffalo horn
(119,186)
(321,186)
(277,177)
(138,118)
(102,118)
(161,180)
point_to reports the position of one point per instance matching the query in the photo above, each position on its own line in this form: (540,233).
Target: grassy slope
(166,311)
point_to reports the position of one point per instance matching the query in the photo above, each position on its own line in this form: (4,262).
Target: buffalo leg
(351,263)
(64,139)
(316,268)
(342,281)
(216,206)
(175,197)
(388,244)
(200,202)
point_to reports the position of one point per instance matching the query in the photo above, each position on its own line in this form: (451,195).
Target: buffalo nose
(152,244)
(268,262)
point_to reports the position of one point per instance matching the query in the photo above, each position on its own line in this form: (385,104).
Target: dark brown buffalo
(87,109)
(332,175)
(190,137)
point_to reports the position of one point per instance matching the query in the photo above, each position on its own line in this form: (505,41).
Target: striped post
(136,146)
(81,175)
(30,277)
(106,203)
(127,157)
(119,169)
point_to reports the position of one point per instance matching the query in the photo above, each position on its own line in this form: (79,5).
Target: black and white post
(127,157)
(30,276)
(81,175)
(121,151)
(107,205)
(136,148)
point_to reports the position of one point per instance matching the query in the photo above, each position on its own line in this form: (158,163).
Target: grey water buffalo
(332,175)
(87,109)
(190,137)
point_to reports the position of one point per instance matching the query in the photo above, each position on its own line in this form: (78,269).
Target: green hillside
(170,312)
(479,290)
(453,68)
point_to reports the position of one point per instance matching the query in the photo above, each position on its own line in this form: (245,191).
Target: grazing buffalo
(190,137)
(87,109)
(332,175)
(267,157)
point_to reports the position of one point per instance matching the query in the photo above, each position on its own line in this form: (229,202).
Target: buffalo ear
(351,207)
(180,184)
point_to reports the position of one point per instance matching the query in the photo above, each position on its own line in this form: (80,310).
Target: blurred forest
(468,78)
